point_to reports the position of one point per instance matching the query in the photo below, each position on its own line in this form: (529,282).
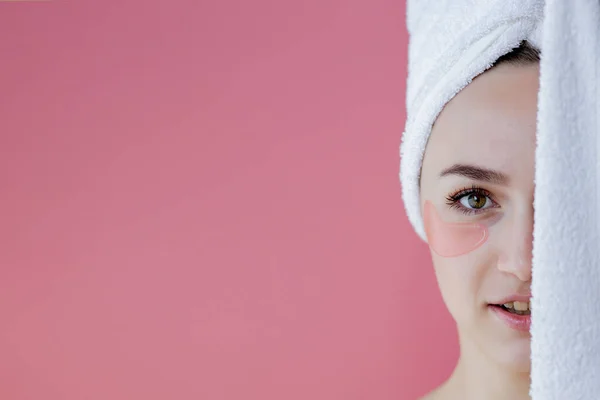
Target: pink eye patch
(452,239)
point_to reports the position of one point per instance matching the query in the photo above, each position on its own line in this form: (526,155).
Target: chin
(514,354)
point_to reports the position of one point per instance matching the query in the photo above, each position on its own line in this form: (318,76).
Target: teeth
(521,306)
(518,306)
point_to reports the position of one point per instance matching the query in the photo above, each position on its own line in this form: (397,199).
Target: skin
(489,124)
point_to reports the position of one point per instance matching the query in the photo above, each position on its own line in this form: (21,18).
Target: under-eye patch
(452,239)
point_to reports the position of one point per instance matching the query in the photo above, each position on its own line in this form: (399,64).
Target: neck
(477,377)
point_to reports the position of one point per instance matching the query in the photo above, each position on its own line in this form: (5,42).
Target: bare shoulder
(433,395)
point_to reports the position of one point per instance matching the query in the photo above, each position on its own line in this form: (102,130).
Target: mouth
(515,314)
(516,307)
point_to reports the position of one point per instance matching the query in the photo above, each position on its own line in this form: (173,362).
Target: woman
(476,126)
(476,192)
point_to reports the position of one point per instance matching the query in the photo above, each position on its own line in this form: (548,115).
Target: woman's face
(477,201)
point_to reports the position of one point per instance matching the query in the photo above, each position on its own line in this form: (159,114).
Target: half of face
(477,185)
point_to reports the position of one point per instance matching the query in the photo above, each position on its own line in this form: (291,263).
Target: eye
(475,201)
(471,200)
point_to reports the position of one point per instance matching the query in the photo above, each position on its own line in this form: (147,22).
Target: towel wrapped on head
(451,42)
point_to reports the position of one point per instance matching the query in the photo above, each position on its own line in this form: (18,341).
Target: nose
(517,246)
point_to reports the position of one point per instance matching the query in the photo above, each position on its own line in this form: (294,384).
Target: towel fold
(566,264)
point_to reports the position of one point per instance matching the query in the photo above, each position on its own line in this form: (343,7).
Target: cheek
(451,239)
(457,283)
(460,281)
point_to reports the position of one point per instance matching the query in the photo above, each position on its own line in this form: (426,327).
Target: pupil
(476,201)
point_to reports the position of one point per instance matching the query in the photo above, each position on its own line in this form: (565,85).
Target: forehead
(490,123)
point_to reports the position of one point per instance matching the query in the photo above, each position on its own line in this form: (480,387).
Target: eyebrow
(476,173)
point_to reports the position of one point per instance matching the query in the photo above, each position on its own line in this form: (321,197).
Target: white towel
(453,41)
(566,263)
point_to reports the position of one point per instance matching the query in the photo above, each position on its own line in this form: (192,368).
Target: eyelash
(453,200)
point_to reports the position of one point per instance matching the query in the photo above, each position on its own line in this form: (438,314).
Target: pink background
(199,200)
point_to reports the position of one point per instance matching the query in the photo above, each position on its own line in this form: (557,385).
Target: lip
(517,322)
